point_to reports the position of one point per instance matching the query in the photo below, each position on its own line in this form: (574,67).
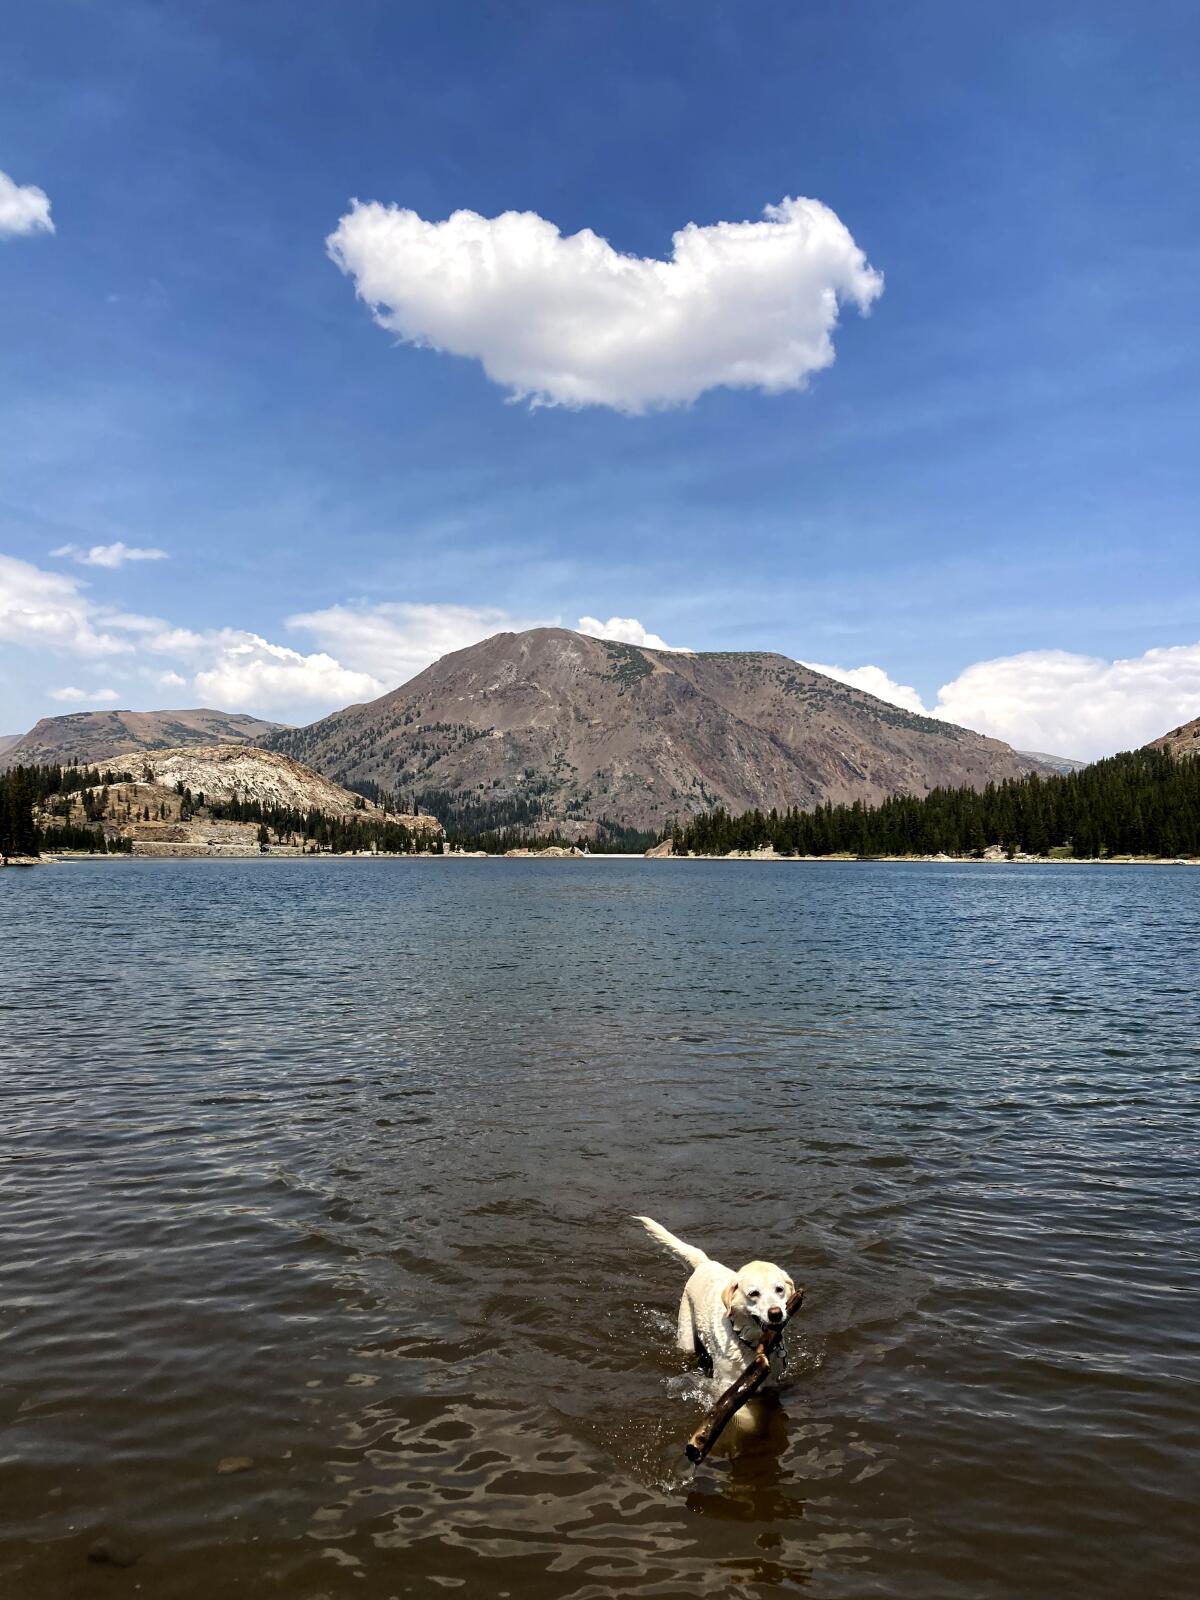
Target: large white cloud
(628,630)
(573,322)
(24,208)
(395,640)
(1055,700)
(249,673)
(109,555)
(1076,705)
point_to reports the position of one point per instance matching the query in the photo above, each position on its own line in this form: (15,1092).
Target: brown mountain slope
(88,736)
(1183,741)
(551,725)
(7,740)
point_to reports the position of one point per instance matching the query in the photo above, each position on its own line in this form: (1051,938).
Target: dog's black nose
(775,1314)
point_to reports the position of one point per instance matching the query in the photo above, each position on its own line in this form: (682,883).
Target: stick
(738,1392)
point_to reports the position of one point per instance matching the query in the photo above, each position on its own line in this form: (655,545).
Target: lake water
(328,1165)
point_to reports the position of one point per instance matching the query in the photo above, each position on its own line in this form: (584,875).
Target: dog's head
(760,1294)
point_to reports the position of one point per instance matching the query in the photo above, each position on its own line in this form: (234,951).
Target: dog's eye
(753,1295)
(778,1288)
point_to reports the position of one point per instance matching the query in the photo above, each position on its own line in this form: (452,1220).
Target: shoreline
(950,861)
(70,858)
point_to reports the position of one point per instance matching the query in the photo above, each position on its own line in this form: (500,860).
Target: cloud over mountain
(51,611)
(1073,704)
(570,321)
(246,670)
(627,630)
(394,640)
(1056,700)
(875,681)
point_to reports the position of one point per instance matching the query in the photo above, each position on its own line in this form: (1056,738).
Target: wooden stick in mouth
(738,1392)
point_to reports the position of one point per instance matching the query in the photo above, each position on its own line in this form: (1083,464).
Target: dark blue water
(323,1168)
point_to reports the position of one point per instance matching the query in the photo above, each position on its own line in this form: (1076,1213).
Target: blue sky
(989,496)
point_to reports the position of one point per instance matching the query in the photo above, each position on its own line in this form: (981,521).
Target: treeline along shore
(1139,803)
(24,789)
(1143,803)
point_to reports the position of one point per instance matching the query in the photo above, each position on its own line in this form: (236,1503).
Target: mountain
(91,736)
(1041,762)
(1183,741)
(7,740)
(552,726)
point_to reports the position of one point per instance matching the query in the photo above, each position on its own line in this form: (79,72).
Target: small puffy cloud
(249,673)
(874,680)
(108,555)
(395,640)
(50,611)
(1076,705)
(170,680)
(71,695)
(628,630)
(24,209)
(573,322)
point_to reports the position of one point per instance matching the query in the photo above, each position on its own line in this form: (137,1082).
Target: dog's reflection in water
(748,1457)
(750,1486)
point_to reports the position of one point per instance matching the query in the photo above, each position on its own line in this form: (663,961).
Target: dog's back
(701,1299)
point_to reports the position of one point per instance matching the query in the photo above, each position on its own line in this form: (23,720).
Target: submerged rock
(112,1552)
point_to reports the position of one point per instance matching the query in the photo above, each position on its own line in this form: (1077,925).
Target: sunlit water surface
(328,1166)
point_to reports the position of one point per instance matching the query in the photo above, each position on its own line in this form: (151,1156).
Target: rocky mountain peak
(553,727)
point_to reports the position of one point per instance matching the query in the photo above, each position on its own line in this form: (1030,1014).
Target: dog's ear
(791,1286)
(727,1294)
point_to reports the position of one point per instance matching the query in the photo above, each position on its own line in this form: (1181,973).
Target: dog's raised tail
(690,1254)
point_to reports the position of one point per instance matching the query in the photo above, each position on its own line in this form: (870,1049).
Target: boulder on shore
(556,851)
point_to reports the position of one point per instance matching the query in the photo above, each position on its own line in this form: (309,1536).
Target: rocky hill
(1182,741)
(7,740)
(555,726)
(101,736)
(223,771)
(200,800)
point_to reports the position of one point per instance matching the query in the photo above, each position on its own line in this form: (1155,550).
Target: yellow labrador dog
(723,1314)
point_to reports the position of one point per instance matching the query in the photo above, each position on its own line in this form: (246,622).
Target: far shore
(955,861)
(68,857)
